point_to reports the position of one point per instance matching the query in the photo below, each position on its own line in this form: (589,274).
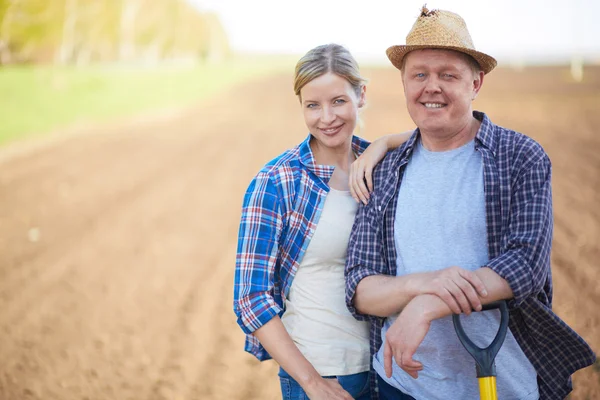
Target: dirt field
(117,244)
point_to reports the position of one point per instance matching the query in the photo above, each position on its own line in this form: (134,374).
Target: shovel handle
(485,357)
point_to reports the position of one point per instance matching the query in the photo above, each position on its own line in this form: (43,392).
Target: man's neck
(444,141)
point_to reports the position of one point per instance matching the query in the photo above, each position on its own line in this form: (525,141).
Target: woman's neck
(339,157)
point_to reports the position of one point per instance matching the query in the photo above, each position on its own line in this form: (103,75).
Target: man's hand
(459,288)
(407,333)
(326,389)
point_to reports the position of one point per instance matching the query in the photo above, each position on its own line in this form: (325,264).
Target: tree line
(89,31)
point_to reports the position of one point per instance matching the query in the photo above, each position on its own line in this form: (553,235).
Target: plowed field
(117,243)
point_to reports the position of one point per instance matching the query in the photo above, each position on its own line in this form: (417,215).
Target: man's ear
(477,83)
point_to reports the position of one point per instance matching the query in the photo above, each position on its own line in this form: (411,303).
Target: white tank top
(316,316)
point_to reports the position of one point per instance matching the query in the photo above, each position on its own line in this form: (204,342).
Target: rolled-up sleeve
(524,261)
(256,260)
(365,257)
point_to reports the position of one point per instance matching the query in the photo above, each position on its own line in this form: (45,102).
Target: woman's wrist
(308,379)
(385,140)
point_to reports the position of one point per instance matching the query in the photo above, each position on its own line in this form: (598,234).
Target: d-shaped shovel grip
(485,357)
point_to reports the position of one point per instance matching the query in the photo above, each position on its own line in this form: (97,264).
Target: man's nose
(433,85)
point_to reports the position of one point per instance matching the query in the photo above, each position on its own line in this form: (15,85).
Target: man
(461,216)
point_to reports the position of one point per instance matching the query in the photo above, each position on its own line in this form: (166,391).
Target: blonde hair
(328,58)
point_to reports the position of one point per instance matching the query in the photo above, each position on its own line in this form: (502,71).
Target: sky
(510,30)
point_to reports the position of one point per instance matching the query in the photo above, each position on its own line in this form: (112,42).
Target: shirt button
(379,208)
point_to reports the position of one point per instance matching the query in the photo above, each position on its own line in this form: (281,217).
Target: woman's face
(330,106)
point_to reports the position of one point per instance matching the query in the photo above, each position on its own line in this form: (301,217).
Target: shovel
(484,358)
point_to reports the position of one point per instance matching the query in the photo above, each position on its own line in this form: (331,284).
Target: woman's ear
(363,96)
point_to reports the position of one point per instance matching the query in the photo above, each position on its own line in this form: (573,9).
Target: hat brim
(397,53)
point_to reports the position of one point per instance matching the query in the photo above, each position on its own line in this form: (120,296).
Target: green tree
(82,31)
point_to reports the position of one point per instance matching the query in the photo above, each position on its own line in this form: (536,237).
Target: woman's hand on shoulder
(361,170)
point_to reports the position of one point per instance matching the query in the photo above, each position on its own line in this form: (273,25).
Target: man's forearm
(497,287)
(382,295)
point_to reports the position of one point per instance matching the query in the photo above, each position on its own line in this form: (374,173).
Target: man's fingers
(410,366)
(470,294)
(387,359)
(474,280)
(409,362)
(449,299)
(413,374)
(460,297)
(460,289)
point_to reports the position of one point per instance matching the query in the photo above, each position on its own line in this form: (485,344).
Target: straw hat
(439,29)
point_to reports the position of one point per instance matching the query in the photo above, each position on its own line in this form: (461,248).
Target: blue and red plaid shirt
(518,198)
(280,213)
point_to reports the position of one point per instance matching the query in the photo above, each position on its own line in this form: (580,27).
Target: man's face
(439,86)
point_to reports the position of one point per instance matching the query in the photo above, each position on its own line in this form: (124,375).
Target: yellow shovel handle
(487,388)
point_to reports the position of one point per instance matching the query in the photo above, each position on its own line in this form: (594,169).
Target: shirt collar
(485,135)
(403,153)
(324,172)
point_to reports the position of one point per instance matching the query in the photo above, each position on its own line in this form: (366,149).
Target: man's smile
(434,105)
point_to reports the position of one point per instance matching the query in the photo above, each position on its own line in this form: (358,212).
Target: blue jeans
(356,384)
(388,392)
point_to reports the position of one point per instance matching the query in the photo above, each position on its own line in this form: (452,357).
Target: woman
(296,220)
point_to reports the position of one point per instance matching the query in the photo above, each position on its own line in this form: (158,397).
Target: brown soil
(118,244)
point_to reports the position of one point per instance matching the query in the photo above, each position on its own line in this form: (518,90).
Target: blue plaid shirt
(280,213)
(518,199)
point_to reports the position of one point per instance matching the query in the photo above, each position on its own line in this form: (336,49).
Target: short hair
(328,58)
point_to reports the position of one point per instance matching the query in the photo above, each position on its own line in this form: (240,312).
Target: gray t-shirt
(441,222)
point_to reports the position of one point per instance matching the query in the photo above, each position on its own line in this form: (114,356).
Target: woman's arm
(275,339)
(254,304)
(361,171)
(396,140)
(256,259)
